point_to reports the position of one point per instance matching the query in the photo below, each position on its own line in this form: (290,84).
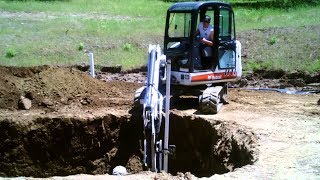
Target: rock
(119,170)
(319,102)
(46,103)
(243,82)
(86,101)
(24,103)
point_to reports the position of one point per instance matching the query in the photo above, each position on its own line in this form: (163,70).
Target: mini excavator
(173,72)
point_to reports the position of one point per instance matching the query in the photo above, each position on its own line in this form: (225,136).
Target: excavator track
(212,99)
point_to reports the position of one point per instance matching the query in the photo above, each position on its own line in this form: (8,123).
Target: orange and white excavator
(174,72)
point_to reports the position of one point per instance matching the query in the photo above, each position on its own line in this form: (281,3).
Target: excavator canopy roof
(194,6)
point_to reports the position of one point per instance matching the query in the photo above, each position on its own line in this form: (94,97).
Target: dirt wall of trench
(61,146)
(206,148)
(61,135)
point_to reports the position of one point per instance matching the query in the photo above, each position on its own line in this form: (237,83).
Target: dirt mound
(51,87)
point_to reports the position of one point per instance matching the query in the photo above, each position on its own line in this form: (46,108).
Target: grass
(272,17)
(287,48)
(50,32)
(280,38)
(119,32)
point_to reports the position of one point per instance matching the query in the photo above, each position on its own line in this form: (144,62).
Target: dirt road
(284,128)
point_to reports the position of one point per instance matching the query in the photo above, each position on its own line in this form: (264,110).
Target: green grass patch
(119,32)
(81,46)
(10,53)
(50,32)
(247,19)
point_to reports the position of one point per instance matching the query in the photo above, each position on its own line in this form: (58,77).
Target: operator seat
(206,57)
(206,52)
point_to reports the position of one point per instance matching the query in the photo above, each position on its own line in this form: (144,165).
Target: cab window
(180,25)
(226,27)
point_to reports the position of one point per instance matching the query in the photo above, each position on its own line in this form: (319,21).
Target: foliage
(38,0)
(293,3)
(257,65)
(272,40)
(264,3)
(81,46)
(10,53)
(313,66)
(127,47)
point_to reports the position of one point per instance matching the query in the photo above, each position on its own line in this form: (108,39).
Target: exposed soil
(81,125)
(77,124)
(51,88)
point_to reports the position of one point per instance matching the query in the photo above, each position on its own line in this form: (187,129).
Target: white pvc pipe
(167,112)
(91,65)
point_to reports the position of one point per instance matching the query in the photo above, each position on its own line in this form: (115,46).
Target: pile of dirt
(51,87)
(279,79)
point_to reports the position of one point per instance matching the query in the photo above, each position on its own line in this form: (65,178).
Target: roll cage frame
(198,10)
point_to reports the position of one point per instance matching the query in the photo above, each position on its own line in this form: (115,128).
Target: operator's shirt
(205,32)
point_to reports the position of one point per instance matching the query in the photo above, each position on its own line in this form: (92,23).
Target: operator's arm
(208,42)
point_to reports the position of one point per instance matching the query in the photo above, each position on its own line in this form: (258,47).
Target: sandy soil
(288,129)
(284,128)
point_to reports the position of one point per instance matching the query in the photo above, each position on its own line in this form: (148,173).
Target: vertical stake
(91,65)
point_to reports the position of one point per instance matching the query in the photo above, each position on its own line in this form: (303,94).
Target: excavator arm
(152,97)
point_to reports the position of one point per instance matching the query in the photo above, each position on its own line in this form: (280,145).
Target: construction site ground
(82,127)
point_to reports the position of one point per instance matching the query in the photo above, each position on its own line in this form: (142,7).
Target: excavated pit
(71,123)
(59,146)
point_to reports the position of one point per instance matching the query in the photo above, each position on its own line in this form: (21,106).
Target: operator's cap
(207,18)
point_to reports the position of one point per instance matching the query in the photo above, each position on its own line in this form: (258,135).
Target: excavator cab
(221,63)
(182,43)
